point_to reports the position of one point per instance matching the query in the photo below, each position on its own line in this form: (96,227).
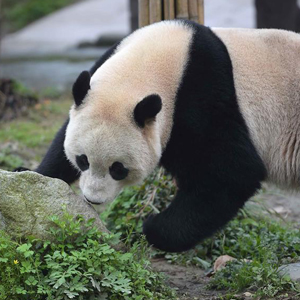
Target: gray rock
(293,270)
(2,223)
(28,199)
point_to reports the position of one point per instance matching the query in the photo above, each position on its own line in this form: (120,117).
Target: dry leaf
(221,262)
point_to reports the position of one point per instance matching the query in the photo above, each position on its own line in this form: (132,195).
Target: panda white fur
(218,108)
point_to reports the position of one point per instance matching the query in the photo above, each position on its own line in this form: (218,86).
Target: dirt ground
(189,282)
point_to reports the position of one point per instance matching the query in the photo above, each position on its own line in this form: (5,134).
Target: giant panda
(219,109)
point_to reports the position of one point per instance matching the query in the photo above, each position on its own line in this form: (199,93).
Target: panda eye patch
(117,171)
(82,162)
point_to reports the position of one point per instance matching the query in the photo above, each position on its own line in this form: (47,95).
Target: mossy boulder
(28,200)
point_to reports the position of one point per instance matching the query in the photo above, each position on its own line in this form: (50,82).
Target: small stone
(248,294)
(28,200)
(292,270)
(282,211)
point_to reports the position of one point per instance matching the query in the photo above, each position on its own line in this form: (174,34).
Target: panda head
(122,118)
(111,145)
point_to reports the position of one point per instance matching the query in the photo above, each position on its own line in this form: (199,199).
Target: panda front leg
(197,213)
(55,163)
(191,217)
(209,195)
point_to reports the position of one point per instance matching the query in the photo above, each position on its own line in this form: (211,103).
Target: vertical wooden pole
(155,11)
(193,10)
(200,11)
(144,18)
(182,9)
(151,11)
(169,9)
(134,15)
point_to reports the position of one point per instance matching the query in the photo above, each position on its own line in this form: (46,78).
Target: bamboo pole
(200,11)
(144,19)
(134,15)
(169,9)
(182,9)
(155,11)
(151,11)
(193,10)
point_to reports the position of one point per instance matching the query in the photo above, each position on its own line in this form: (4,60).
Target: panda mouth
(90,202)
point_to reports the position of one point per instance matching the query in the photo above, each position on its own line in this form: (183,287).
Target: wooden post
(200,11)
(155,11)
(193,10)
(144,19)
(134,15)
(182,9)
(169,9)
(151,11)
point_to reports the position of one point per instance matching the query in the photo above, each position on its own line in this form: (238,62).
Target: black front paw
(21,169)
(169,232)
(151,232)
(161,233)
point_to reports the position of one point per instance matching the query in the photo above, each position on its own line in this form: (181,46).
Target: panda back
(266,68)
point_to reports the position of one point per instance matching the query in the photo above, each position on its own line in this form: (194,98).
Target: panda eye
(117,171)
(82,162)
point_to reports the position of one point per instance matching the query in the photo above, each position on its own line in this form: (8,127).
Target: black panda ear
(81,87)
(147,109)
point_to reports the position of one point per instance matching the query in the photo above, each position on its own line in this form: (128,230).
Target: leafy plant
(259,275)
(79,263)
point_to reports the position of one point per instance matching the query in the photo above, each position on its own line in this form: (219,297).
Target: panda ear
(81,87)
(147,109)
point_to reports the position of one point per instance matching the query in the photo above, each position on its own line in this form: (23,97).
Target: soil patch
(190,282)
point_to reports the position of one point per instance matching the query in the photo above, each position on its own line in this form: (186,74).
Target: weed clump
(261,245)
(75,265)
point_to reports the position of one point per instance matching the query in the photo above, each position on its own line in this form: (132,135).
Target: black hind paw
(21,169)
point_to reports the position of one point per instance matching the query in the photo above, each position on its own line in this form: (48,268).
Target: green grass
(39,128)
(260,276)
(18,14)
(28,133)
(78,262)
(25,140)
(261,245)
